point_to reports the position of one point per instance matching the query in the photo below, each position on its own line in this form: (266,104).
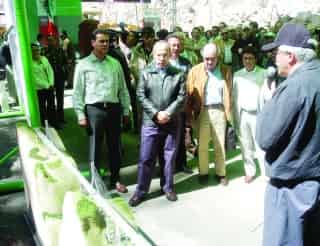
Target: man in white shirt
(247,84)
(100,98)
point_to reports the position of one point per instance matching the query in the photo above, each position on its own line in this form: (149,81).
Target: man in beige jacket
(208,108)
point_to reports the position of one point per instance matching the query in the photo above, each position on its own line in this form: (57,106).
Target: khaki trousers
(211,125)
(248,144)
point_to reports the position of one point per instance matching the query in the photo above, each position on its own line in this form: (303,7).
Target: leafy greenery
(36,154)
(89,214)
(51,215)
(40,169)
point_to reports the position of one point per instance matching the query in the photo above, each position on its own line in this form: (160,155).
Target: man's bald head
(210,56)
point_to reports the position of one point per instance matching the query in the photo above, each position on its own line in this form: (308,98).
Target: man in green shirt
(43,81)
(100,99)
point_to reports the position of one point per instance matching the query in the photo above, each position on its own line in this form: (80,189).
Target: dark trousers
(59,88)
(47,106)
(181,159)
(291,215)
(153,139)
(70,73)
(105,121)
(133,98)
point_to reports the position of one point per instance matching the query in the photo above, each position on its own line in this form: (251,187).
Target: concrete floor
(209,215)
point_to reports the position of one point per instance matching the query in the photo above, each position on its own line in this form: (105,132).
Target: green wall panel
(33,19)
(67,7)
(70,24)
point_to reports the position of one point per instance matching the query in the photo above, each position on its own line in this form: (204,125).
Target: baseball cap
(291,34)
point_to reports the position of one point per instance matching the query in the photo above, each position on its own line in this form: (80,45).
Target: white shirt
(246,88)
(213,91)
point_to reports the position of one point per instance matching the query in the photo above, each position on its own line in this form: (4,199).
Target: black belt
(217,106)
(291,183)
(104,105)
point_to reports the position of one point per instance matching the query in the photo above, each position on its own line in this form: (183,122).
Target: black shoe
(187,170)
(56,126)
(184,169)
(203,179)
(135,200)
(171,196)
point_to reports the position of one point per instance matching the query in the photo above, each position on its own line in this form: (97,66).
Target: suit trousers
(211,125)
(181,155)
(181,158)
(105,122)
(47,106)
(153,138)
(59,89)
(248,144)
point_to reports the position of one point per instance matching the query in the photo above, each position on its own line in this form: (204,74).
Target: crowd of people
(171,89)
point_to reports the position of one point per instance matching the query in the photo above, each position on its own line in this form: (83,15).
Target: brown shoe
(121,188)
(248,179)
(171,196)
(223,180)
(135,200)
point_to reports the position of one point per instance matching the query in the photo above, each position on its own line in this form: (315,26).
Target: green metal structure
(25,22)
(31,102)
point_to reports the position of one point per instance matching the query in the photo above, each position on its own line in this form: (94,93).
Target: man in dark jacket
(183,64)
(288,130)
(58,61)
(161,92)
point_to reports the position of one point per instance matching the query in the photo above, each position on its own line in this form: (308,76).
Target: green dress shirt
(99,81)
(43,73)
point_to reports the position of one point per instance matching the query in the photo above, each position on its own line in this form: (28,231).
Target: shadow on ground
(76,142)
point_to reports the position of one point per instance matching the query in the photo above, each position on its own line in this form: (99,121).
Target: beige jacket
(196,81)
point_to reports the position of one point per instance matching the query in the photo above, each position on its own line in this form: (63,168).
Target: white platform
(211,216)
